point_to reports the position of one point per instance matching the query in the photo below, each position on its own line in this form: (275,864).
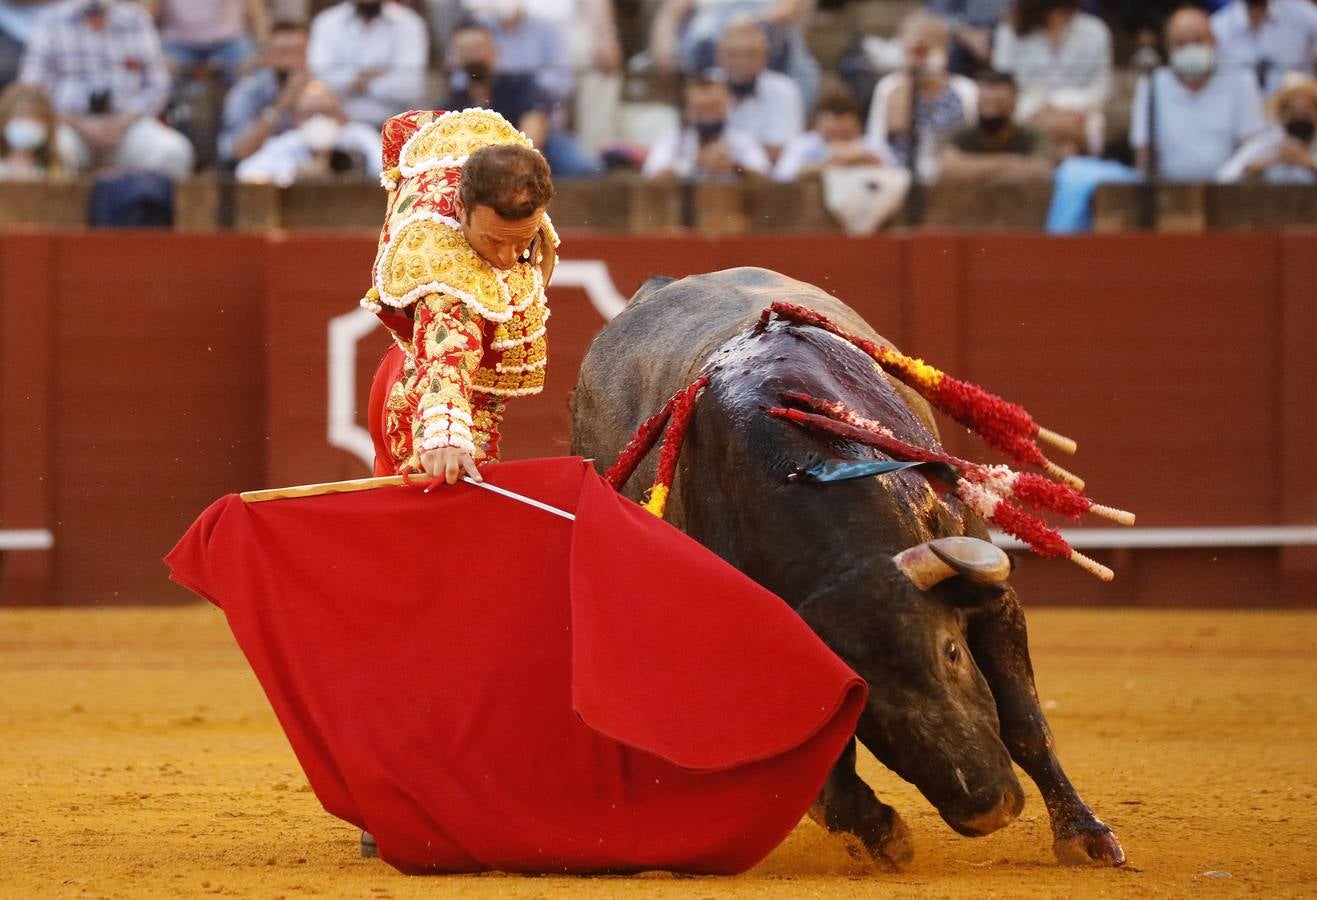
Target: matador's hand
(450,464)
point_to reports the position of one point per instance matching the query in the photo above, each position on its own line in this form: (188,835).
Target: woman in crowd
(942,102)
(28,150)
(1286,153)
(1061,60)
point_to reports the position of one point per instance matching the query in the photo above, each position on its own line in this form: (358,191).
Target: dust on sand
(139,758)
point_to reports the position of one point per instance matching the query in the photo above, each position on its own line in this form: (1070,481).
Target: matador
(464,256)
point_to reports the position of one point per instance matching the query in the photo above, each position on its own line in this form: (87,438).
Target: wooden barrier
(144,374)
(626,204)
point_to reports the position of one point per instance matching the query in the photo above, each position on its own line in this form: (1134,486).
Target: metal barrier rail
(1178,538)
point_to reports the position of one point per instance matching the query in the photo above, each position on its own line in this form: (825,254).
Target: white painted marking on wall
(1178,538)
(347,330)
(26,539)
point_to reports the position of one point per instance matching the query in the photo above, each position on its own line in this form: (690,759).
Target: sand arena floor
(138,758)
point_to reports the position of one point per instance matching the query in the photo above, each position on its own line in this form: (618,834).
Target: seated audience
(595,56)
(102,63)
(528,43)
(373,54)
(942,101)
(1061,60)
(476,79)
(217,34)
(1203,113)
(706,147)
(1286,153)
(684,36)
(972,25)
(28,130)
(260,105)
(765,104)
(996,147)
(323,144)
(17,18)
(836,140)
(1270,37)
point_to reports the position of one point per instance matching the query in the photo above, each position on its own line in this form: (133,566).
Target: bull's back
(663,340)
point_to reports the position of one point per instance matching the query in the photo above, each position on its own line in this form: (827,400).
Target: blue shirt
(1285,41)
(244,104)
(512,96)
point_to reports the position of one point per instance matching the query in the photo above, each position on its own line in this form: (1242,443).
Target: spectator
(972,25)
(685,34)
(528,43)
(373,54)
(837,140)
(996,147)
(1203,114)
(943,102)
(17,18)
(28,129)
(765,104)
(322,144)
(260,105)
(1061,60)
(706,147)
(595,55)
(475,79)
(102,63)
(1286,153)
(213,35)
(1271,37)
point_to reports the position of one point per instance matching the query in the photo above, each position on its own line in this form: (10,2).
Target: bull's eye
(953,652)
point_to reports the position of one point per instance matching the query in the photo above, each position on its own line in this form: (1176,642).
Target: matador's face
(500,242)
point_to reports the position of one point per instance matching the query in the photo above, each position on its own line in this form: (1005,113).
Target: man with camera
(102,64)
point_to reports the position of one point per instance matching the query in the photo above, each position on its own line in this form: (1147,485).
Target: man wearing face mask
(27,135)
(260,105)
(1203,113)
(706,147)
(1269,37)
(765,104)
(995,147)
(1286,153)
(373,54)
(322,144)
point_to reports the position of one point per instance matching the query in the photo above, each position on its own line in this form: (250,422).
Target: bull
(900,584)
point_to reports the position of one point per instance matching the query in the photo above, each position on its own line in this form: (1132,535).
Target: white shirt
(676,152)
(343,45)
(1197,131)
(1074,75)
(279,159)
(1261,147)
(1287,38)
(773,113)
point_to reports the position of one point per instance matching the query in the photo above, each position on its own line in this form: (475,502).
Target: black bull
(952,698)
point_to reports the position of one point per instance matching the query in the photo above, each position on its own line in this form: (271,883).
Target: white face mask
(320,132)
(1193,60)
(24,134)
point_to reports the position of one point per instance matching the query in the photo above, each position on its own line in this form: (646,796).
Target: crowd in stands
(280,91)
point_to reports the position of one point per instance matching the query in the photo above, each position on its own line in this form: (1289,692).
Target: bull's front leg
(999,641)
(848,806)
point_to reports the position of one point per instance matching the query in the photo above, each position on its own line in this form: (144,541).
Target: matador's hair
(513,181)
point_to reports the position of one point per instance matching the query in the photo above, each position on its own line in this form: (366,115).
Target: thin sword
(513,495)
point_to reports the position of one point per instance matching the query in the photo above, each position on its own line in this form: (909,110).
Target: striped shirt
(74,61)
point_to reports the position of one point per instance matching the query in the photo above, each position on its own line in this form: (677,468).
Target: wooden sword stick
(369,484)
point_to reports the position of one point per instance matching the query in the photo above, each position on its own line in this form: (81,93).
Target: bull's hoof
(887,843)
(1092,846)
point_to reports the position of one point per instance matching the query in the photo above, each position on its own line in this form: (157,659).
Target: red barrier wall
(145,374)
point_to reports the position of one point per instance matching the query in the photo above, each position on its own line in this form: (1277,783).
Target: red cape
(483,685)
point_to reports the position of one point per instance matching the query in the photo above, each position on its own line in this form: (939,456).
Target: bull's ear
(935,561)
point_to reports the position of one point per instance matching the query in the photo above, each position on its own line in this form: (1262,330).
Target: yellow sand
(138,758)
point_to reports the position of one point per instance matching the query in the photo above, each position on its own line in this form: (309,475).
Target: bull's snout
(999,816)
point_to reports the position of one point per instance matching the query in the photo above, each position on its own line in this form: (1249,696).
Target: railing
(626,204)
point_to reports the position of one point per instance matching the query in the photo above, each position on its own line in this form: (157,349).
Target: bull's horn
(934,561)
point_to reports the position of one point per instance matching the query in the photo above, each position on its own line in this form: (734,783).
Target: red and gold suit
(466,335)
